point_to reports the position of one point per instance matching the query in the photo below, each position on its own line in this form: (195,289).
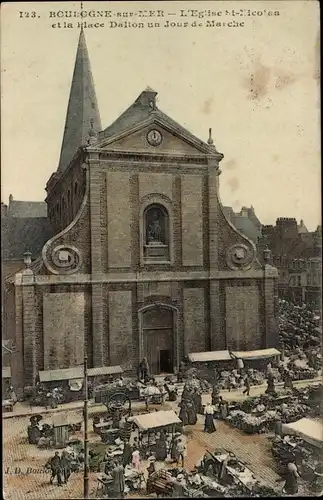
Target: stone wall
(242,317)
(195,334)
(120,328)
(192,222)
(63,315)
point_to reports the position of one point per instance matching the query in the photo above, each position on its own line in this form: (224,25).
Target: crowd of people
(299,327)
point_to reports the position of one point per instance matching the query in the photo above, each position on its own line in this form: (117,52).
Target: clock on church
(154,137)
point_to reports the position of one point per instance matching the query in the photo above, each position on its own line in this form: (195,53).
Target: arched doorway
(158,346)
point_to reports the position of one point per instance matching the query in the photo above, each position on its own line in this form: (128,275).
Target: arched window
(68,196)
(156,233)
(75,188)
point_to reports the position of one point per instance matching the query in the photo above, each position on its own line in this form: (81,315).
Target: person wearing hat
(151,467)
(183,414)
(224,408)
(247,386)
(178,488)
(118,481)
(161,447)
(65,466)
(127,454)
(181,450)
(291,483)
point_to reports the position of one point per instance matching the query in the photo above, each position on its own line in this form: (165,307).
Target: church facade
(143,261)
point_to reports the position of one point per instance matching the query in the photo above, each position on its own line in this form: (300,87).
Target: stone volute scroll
(67,258)
(240,256)
(59,255)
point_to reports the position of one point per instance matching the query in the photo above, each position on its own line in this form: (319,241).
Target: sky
(256,86)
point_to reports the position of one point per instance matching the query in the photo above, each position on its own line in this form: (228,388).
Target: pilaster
(96,260)
(29,331)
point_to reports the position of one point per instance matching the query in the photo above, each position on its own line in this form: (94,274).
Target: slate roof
(82,113)
(23,234)
(246,225)
(27,209)
(139,111)
(302,229)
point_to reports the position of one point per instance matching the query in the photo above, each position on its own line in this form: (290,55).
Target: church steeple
(82,117)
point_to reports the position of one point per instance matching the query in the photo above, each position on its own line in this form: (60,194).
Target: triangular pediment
(155,135)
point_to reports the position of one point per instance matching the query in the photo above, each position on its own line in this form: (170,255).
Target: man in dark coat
(56,468)
(183,414)
(270,383)
(247,386)
(144,370)
(66,466)
(118,481)
(127,454)
(191,413)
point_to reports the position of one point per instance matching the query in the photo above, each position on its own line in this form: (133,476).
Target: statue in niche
(154,229)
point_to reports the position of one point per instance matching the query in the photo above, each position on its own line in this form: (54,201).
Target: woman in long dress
(191,413)
(136,460)
(183,412)
(291,484)
(127,454)
(223,407)
(209,419)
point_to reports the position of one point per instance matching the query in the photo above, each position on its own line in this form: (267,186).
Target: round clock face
(154,137)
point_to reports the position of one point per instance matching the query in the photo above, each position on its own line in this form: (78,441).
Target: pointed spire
(82,113)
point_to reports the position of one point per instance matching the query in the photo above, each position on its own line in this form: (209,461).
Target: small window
(75,188)
(68,196)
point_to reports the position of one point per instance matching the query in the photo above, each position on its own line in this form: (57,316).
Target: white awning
(259,354)
(155,420)
(59,375)
(204,357)
(105,370)
(309,430)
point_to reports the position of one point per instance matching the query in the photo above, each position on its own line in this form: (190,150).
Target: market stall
(149,424)
(70,381)
(311,431)
(207,362)
(60,431)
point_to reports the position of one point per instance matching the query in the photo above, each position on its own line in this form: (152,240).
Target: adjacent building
(296,252)
(142,260)
(246,221)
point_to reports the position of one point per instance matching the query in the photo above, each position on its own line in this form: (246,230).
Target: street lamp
(266,255)
(27,259)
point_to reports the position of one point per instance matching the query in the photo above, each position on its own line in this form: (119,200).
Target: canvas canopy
(154,420)
(77,373)
(309,430)
(205,357)
(260,354)
(59,375)
(105,370)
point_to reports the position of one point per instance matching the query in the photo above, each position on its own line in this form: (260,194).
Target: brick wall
(71,186)
(120,328)
(195,334)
